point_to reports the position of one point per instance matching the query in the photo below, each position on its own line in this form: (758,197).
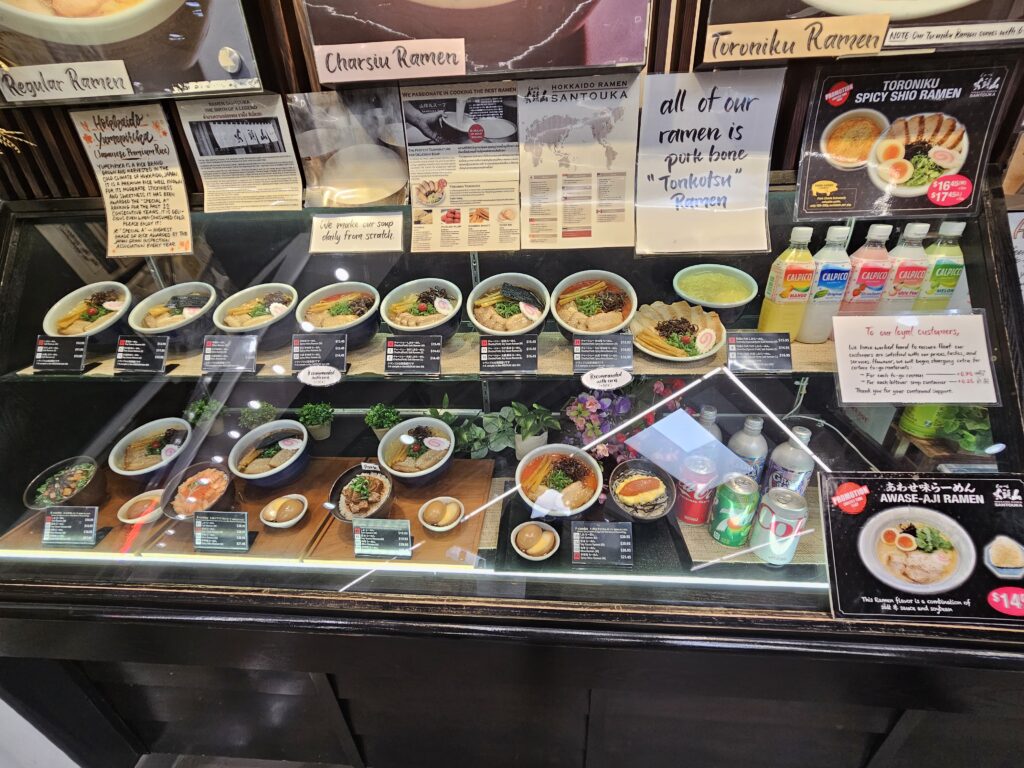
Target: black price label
(221,531)
(599,543)
(310,349)
(382,538)
(752,352)
(508,354)
(418,355)
(225,354)
(70,527)
(141,353)
(56,353)
(614,350)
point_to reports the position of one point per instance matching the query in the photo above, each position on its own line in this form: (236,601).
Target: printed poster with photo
(926,546)
(898,142)
(463,147)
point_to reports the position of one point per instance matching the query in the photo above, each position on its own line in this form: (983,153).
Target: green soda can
(732,514)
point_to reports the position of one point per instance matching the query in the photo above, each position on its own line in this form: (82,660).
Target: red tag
(851,498)
(1008,600)
(476,132)
(950,190)
(839,93)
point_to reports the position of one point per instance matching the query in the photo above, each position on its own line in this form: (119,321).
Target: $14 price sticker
(1008,600)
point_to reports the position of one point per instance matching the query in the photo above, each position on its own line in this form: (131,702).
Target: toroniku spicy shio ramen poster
(898,142)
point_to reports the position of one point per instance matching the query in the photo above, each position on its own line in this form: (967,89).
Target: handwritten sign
(133,154)
(390,60)
(356,233)
(914,359)
(77,81)
(705,151)
(795,38)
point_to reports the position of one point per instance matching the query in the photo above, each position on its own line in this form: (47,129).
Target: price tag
(56,353)
(221,531)
(147,354)
(225,354)
(382,538)
(413,355)
(751,352)
(508,354)
(614,350)
(70,527)
(600,543)
(319,349)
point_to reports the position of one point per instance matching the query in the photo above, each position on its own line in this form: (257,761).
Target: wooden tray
(468,481)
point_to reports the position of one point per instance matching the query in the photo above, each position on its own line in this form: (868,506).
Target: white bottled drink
(790,465)
(749,444)
(708,419)
(907,272)
(831,274)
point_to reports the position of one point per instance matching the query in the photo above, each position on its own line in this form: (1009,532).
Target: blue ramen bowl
(186,332)
(289,471)
(399,434)
(359,332)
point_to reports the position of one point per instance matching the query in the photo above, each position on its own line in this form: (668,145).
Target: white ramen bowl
(572,450)
(445,325)
(592,274)
(516,278)
(176,330)
(114,461)
(89,30)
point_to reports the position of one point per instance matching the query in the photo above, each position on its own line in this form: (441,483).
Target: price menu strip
(70,527)
(508,354)
(600,543)
(55,353)
(382,538)
(614,350)
(146,354)
(413,355)
(221,531)
(759,351)
(310,349)
(227,354)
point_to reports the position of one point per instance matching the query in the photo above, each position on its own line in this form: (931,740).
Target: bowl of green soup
(716,288)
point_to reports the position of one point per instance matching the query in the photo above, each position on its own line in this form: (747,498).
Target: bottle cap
(801,234)
(917,229)
(803,434)
(837,233)
(708,412)
(879,231)
(952,228)
(753,423)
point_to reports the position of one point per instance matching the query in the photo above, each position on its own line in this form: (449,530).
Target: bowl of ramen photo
(418,451)
(201,487)
(85,22)
(271,455)
(183,313)
(77,481)
(259,311)
(915,151)
(147,450)
(594,303)
(508,304)
(350,308)
(847,140)
(559,480)
(424,307)
(917,550)
(93,311)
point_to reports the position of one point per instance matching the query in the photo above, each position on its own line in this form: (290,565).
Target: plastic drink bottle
(790,465)
(945,269)
(749,444)
(909,266)
(831,274)
(708,415)
(789,284)
(869,269)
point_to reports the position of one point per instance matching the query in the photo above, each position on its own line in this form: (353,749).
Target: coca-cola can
(695,490)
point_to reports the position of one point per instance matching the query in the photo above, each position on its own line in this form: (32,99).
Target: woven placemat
(810,549)
(492,515)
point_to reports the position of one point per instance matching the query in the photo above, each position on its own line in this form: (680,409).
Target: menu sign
(610,351)
(141,354)
(926,547)
(702,175)
(914,359)
(79,80)
(413,355)
(463,154)
(794,38)
(221,531)
(898,142)
(375,537)
(314,349)
(577,160)
(602,543)
(60,353)
(70,526)
(508,354)
(132,152)
(229,354)
(752,351)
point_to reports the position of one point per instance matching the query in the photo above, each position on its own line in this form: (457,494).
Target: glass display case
(487,487)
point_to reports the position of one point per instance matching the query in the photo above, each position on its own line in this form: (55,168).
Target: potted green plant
(205,412)
(251,417)
(531,426)
(317,418)
(382,417)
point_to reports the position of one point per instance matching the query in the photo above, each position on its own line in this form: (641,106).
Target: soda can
(695,489)
(732,514)
(780,517)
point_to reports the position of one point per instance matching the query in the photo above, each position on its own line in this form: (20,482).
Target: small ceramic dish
(154,512)
(543,527)
(449,526)
(287,523)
